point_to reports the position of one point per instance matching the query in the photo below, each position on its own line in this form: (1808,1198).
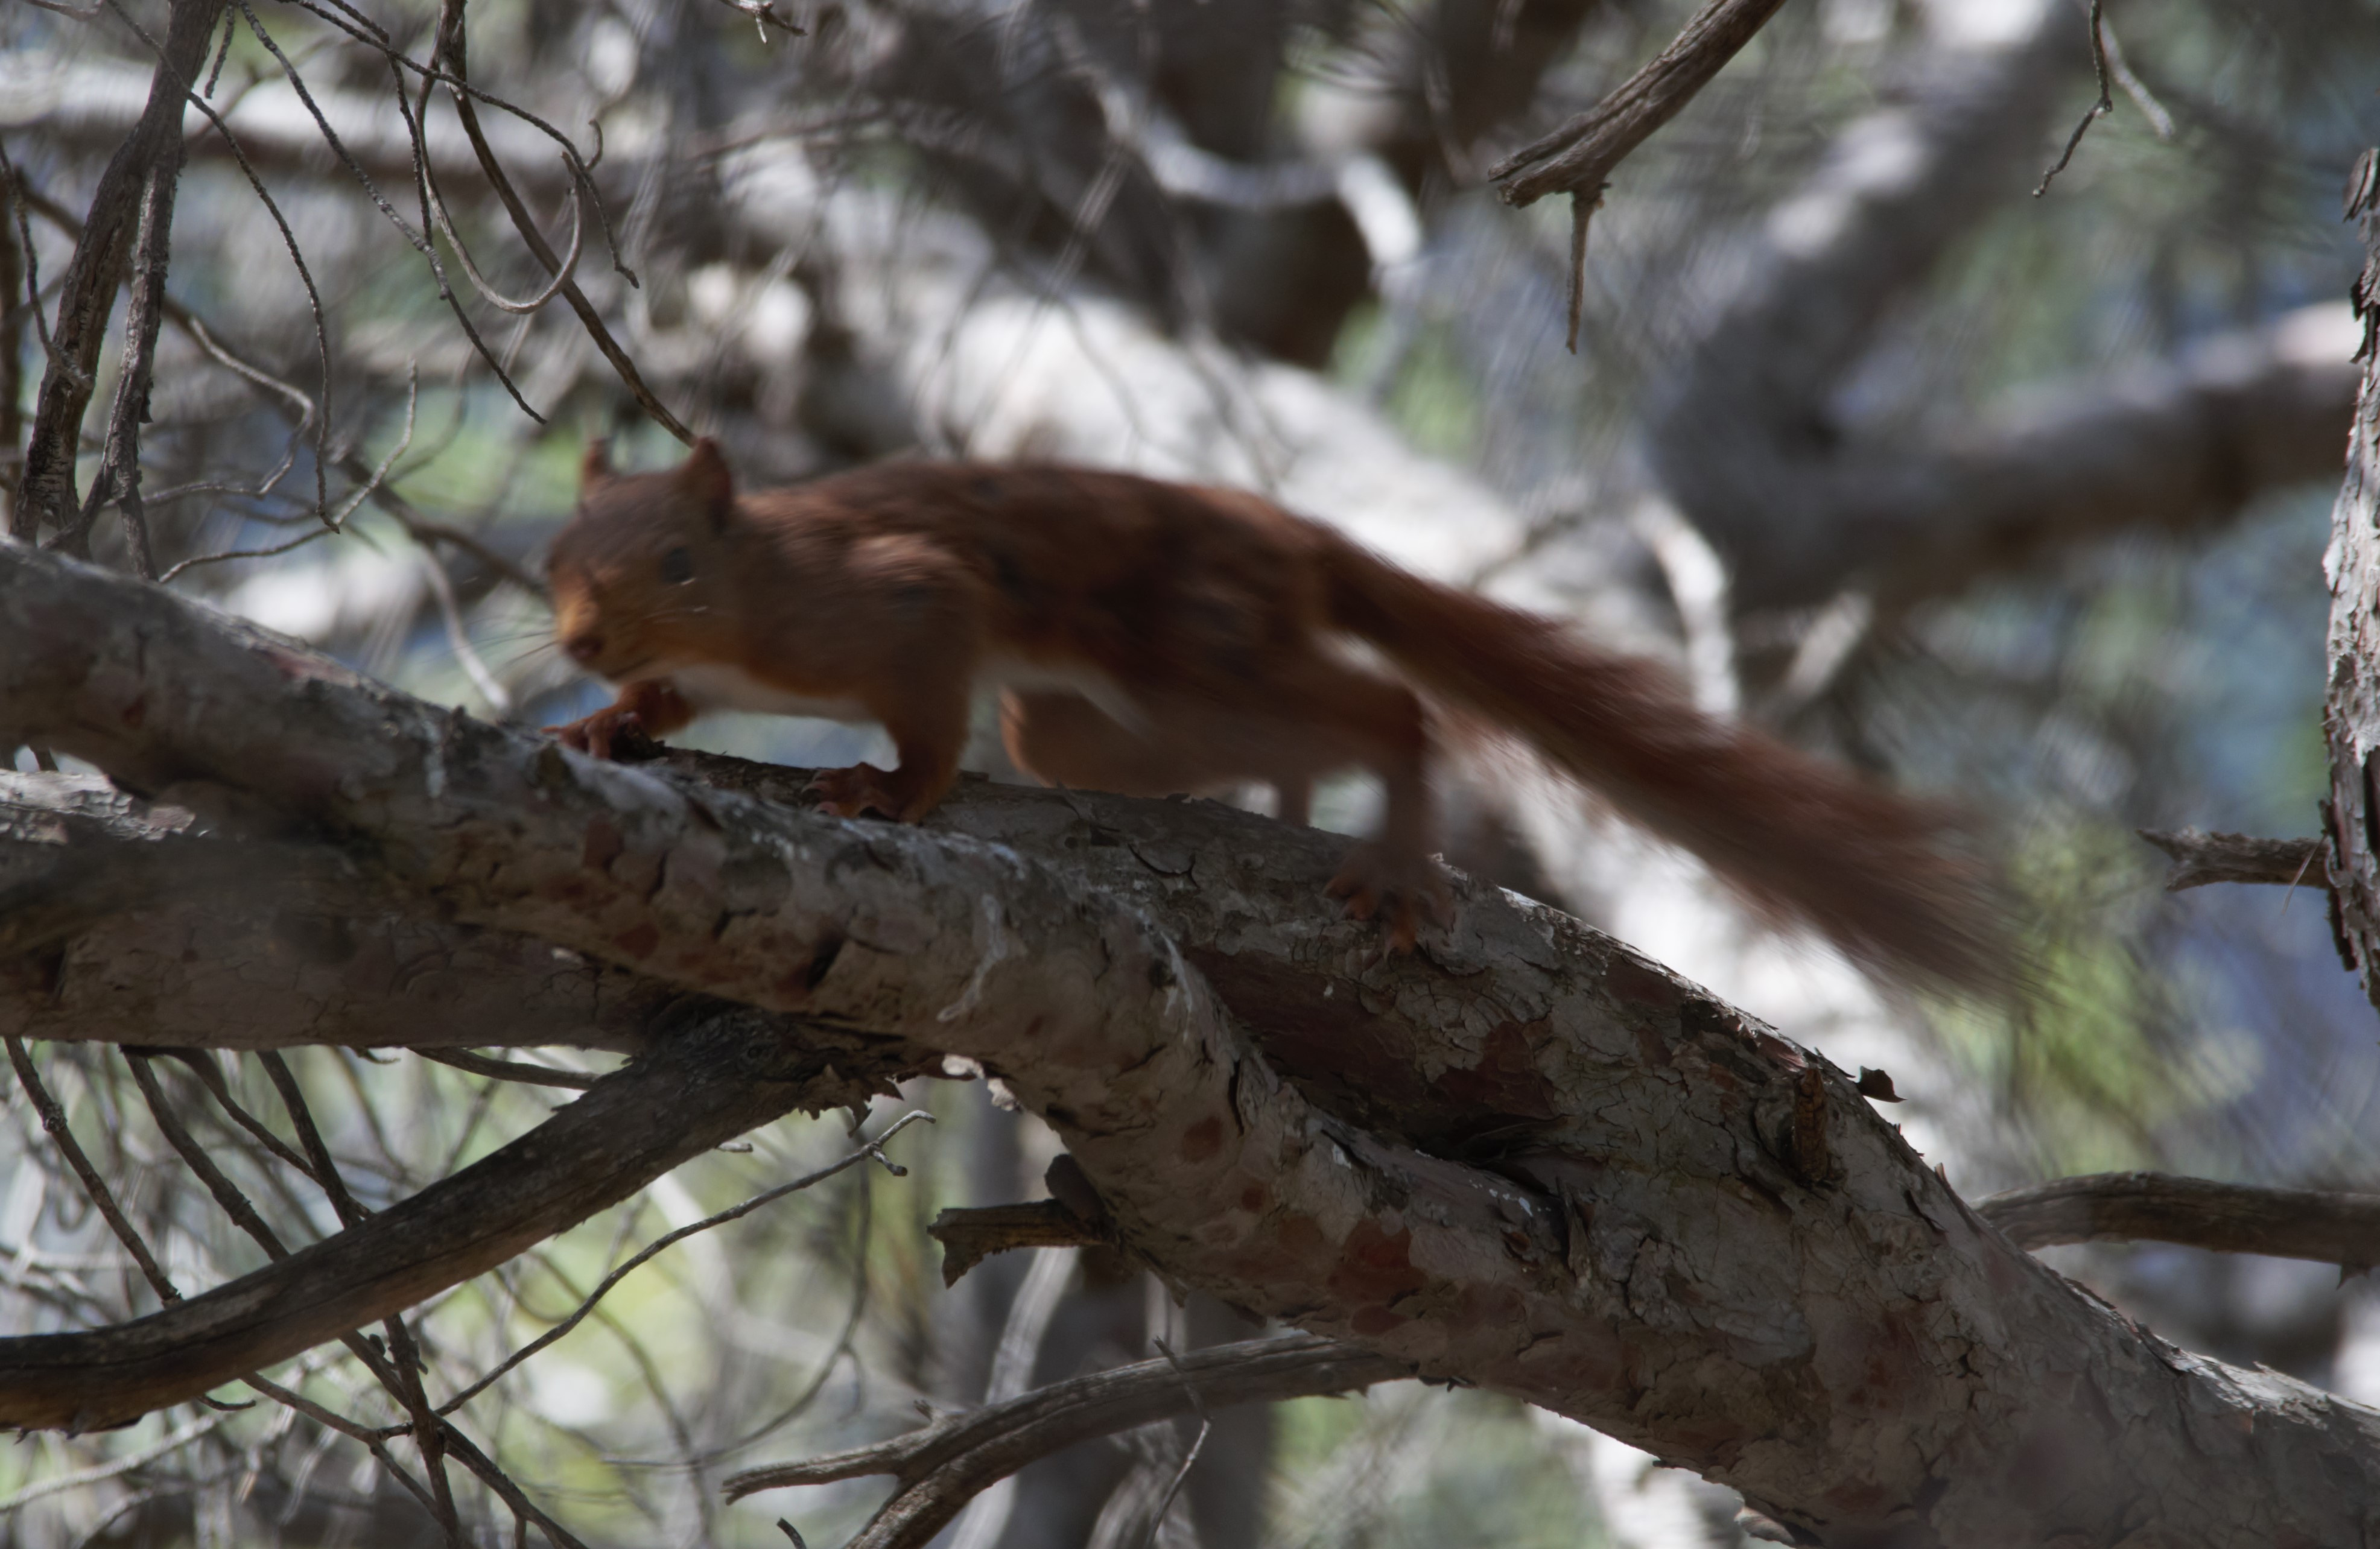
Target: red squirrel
(1150,637)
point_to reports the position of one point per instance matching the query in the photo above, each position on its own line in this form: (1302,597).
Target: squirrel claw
(1403,891)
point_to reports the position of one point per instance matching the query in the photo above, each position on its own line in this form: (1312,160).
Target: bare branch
(711,1083)
(971,1236)
(488,292)
(873,1150)
(2097,110)
(946,1464)
(398,1370)
(509,1070)
(418,239)
(20,297)
(1578,157)
(2172,447)
(202,1064)
(137,183)
(450,49)
(323,1170)
(54,1120)
(2328,1228)
(2201,858)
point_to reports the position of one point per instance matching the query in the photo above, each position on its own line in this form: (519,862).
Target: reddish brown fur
(1206,618)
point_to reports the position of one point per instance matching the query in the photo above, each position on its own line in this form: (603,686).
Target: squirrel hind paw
(864,788)
(1403,891)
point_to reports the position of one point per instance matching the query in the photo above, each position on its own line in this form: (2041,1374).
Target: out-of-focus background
(2010,492)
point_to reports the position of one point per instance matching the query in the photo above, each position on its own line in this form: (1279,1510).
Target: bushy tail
(1871,869)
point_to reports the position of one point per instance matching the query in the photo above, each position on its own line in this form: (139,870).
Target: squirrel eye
(677,567)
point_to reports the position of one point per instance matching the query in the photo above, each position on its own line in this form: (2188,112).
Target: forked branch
(942,1466)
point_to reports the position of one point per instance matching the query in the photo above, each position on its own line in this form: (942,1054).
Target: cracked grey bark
(125,923)
(1641,1208)
(2352,709)
(1745,441)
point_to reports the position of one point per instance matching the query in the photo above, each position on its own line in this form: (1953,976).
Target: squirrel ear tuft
(594,464)
(706,477)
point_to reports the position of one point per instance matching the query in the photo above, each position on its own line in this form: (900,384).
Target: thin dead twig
(764,15)
(1189,1459)
(194,328)
(835,1352)
(2202,858)
(325,1170)
(118,207)
(197,559)
(54,1120)
(1578,157)
(942,1466)
(458,637)
(488,292)
(872,1150)
(420,240)
(398,1371)
(28,197)
(451,49)
(2100,109)
(319,412)
(202,1063)
(99,1473)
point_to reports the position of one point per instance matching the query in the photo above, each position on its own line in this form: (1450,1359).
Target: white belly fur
(1096,686)
(715,686)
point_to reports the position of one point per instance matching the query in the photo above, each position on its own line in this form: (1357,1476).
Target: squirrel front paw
(606,733)
(1403,891)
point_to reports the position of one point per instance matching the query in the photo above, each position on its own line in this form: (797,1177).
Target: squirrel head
(642,576)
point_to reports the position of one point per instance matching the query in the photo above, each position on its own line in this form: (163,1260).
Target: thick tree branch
(2177,447)
(2352,704)
(1655,1215)
(943,1465)
(1741,434)
(1803,508)
(2329,1228)
(125,923)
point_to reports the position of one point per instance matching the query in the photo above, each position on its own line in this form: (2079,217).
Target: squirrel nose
(584,647)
